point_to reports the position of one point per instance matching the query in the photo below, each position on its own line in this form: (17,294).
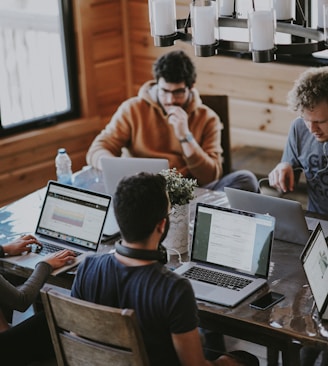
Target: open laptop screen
(232,238)
(73,215)
(315,263)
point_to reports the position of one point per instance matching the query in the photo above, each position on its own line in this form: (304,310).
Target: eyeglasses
(177,93)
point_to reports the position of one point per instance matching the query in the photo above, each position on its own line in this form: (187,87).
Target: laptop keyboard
(48,248)
(216,278)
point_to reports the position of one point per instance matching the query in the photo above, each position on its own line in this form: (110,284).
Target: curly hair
(175,67)
(309,90)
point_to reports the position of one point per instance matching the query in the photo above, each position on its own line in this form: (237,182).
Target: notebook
(116,168)
(70,218)
(229,242)
(290,225)
(314,260)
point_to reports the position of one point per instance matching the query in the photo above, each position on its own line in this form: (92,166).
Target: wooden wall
(115,55)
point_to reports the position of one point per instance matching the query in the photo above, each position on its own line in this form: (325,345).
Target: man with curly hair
(307,144)
(167,119)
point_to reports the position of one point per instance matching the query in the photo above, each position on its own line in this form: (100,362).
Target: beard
(166,229)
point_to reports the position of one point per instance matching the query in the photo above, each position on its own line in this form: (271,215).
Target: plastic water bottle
(63,167)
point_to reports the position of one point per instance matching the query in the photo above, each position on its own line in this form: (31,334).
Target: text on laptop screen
(315,263)
(73,216)
(234,239)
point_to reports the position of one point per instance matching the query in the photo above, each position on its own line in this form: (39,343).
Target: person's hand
(20,245)
(227,361)
(178,118)
(282,177)
(60,259)
(237,358)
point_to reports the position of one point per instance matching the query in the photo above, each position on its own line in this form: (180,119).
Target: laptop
(290,225)
(116,168)
(70,218)
(232,244)
(314,260)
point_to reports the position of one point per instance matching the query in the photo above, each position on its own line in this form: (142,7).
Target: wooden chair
(84,333)
(220,105)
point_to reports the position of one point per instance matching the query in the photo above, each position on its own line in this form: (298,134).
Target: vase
(177,239)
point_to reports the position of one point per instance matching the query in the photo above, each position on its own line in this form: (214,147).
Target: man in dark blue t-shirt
(135,278)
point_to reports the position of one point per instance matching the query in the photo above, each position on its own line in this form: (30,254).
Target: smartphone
(267,301)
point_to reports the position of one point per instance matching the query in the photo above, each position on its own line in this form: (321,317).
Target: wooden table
(286,327)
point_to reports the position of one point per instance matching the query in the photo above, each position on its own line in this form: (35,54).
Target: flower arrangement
(180,189)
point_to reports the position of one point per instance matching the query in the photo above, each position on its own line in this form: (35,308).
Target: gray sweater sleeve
(20,298)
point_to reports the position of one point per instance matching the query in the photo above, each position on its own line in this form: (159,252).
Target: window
(38,79)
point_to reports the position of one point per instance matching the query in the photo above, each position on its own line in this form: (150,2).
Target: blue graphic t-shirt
(302,150)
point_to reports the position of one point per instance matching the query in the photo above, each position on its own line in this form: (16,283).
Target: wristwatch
(188,138)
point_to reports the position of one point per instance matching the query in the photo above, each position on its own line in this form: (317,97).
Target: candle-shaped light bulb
(284,9)
(227,7)
(321,4)
(261,26)
(163,17)
(325,23)
(203,21)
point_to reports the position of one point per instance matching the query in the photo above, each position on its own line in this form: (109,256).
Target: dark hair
(175,67)
(310,89)
(140,202)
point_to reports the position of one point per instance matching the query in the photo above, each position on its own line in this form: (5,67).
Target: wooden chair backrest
(220,105)
(85,333)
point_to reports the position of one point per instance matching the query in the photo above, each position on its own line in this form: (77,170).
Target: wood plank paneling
(107,46)
(109,100)
(267,117)
(244,137)
(28,160)
(104,15)
(109,74)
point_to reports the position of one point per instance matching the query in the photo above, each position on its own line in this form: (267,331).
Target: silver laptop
(290,226)
(71,218)
(116,168)
(230,254)
(314,260)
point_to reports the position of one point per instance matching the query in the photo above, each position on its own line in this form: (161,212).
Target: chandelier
(208,19)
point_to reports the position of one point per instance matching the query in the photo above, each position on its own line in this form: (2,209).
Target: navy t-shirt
(163,301)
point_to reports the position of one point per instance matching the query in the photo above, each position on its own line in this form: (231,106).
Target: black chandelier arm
(313,39)
(169,40)
(306,48)
(303,42)
(283,27)
(298,30)
(300,48)
(183,23)
(280,49)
